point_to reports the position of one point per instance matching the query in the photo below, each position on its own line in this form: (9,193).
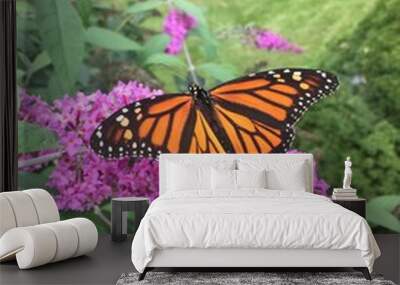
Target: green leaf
(33,138)
(27,180)
(164,59)
(20,75)
(106,208)
(209,43)
(41,60)
(62,35)
(23,7)
(140,7)
(379,212)
(218,71)
(192,9)
(23,58)
(84,8)
(54,89)
(110,40)
(154,45)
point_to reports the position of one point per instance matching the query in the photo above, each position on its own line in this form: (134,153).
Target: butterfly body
(199,94)
(252,114)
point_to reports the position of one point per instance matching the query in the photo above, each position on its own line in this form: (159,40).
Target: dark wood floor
(102,266)
(110,260)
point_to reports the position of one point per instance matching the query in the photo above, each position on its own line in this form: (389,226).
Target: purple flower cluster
(81,178)
(265,39)
(320,186)
(32,109)
(177,25)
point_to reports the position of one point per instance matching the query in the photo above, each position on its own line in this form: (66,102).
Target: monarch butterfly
(252,114)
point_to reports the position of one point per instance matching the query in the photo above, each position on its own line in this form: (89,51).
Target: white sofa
(31,231)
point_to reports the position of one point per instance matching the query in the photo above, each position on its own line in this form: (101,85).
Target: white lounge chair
(32,233)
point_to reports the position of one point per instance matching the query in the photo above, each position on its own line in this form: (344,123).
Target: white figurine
(347,174)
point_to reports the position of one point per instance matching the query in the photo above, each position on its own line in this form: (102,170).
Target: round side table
(119,215)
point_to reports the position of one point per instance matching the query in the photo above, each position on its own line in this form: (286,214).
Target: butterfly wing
(257,112)
(252,114)
(168,123)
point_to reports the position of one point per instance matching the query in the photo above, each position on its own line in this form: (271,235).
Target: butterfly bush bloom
(32,109)
(319,185)
(259,38)
(266,39)
(272,41)
(177,25)
(82,178)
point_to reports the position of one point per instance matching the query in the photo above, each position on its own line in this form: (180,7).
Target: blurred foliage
(363,119)
(64,46)
(33,138)
(69,45)
(37,179)
(381,212)
(370,58)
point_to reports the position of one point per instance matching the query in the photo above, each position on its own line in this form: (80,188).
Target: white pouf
(31,232)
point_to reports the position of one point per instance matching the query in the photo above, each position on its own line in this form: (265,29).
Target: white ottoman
(31,232)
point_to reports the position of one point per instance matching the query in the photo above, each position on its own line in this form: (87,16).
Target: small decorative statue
(347,174)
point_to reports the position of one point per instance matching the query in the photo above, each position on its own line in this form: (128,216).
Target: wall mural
(94,78)
(252,114)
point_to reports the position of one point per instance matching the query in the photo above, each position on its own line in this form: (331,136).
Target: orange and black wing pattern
(144,128)
(257,112)
(252,114)
(169,123)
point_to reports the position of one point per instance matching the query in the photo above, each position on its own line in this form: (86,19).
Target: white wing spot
(124,122)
